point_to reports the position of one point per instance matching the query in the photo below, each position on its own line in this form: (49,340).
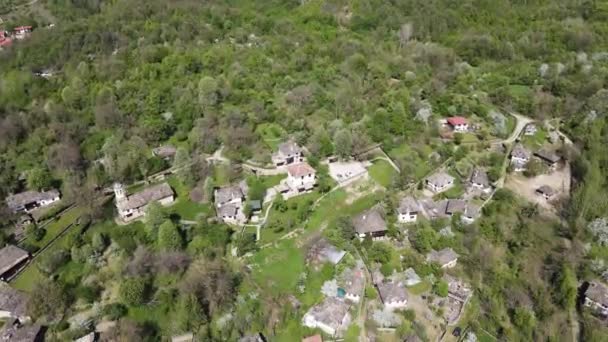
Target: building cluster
(132,207)
(18,33)
(230,203)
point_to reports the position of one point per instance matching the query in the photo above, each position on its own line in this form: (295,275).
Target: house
(131,207)
(457,289)
(596,298)
(411,278)
(352,281)
(370,223)
(13,303)
(546,192)
(5,40)
(458,123)
(21,32)
(455,206)
(252,338)
(331,316)
(479,180)
(408,210)
(322,251)
(30,200)
(288,153)
(164,152)
(439,182)
(255,208)
(446,258)
(15,331)
(548,157)
(11,259)
(229,202)
(471,213)
(393,294)
(313,338)
(301,177)
(530,129)
(520,156)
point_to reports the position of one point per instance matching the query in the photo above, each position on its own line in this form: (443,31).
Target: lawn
(55,227)
(420,288)
(270,181)
(183,206)
(382,172)
(287,220)
(28,278)
(221,175)
(278,270)
(314,282)
(406,153)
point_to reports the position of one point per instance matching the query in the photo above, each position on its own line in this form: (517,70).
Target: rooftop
(457,120)
(457,288)
(546,190)
(164,151)
(408,205)
(369,221)
(519,151)
(321,251)
(15,332)
(353,280)
(547,155)
(440,179)
(479,176)
(12,301)
(598,292)
(300,170)
(11,256)
(330,311)
(227,210)
(21,199)
(289,148)
(455,206)
(228,193)
(392,292)
(146,196)
(442,257)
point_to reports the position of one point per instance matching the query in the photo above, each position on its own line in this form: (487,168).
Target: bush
(133,291)
(115,311)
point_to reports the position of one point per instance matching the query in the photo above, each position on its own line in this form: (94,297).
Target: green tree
(343,142)
(525,320)
(39,178)
(567,287)
(169,237)
(155,216)
(189,313)
(440,288)
(48,299)
(133,291)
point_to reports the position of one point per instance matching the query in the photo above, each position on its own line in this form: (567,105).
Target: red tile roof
(23,28)
(299,170)
(5,41)
(457,120)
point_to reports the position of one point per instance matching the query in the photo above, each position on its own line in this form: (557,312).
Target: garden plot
(558,180)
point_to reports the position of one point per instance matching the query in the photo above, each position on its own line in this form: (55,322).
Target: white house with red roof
(458,123)
(5,39)
(301,177)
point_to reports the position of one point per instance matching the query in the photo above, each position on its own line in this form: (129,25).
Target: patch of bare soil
(558,180)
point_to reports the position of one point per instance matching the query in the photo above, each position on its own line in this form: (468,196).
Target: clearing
(559,180)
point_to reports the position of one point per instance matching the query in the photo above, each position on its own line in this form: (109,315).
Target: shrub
(133,291)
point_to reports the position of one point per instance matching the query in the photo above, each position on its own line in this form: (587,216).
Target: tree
(46,299)
(189,314)
(169,237)
(155,216)
(183,162)
(440,288)
(133,291)
(343,141)
(525,320)
(39,178)
(207,92)
(567,287)
(380,252)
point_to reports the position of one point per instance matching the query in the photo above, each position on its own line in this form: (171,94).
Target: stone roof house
(13,303)
(288,153)
(393,294)
(408,210)
(411,278)
(229,195)
(520,156)
(165,151)
(322,251)
(446,258)
(11,258)
(439,182)
(352,281)
(546,192)
(457,289)
(370,223)
(479,179)
(331,316)
(548,157)
(229,202)
(131,207)
(530,129)
(30,200)
(596,298)
(16,332)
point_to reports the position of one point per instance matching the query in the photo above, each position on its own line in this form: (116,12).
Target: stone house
(596,298)
(546,192)
(370,223)
(11,259)
(548,157)
(439,182)
(520,156)
(165,152)
(288,153)
(393,294)
(479,180)
(16,331)
(331,316)
(131,207)
(446,258)
(13,303)
(408,210)
(352,281)
(229,203)
(30,200)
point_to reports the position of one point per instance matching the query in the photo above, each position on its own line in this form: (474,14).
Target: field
(272,134)
(183,206)
(55,227)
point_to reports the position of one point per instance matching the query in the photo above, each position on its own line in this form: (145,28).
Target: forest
(336,76)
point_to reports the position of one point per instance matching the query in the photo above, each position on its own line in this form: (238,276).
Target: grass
(221,174)
(382,172)
(287,220)
(28,278)
(314,282)
(272,134)
(420,288)
(405,152)
(183,206)
(278,269)
(270,181)
(56,227)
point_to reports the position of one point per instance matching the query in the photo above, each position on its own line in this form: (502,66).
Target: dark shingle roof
(408,205)
(597,292)
(228,193)
(12,301)
(392,292)
(21,199)
(479,176)
(11,256)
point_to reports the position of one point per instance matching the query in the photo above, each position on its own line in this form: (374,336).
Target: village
(384,278)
